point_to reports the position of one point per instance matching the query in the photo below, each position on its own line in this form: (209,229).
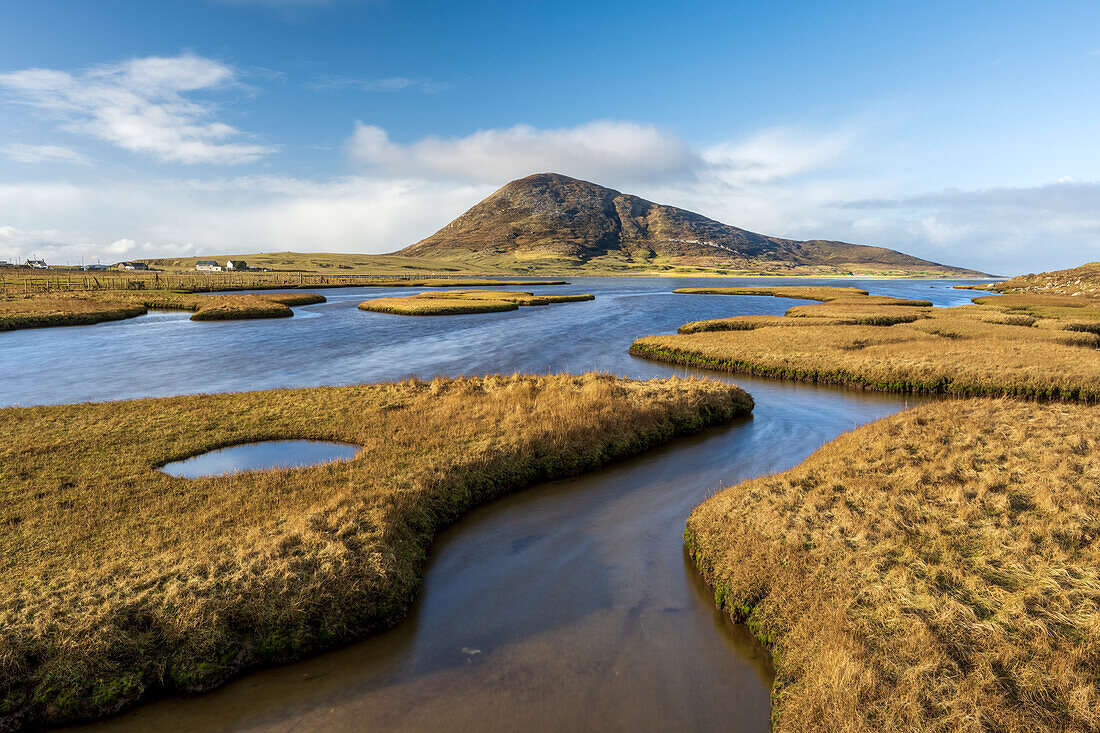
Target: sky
(966,133)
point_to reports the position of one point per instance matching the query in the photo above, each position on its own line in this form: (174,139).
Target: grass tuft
(1035,346)
(83,308)
(119,581)
(934,571)
(461,302)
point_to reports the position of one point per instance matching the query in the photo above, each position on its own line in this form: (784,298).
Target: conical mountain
(552,217)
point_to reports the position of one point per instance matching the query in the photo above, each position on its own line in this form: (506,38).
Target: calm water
(569,605)
(260,456)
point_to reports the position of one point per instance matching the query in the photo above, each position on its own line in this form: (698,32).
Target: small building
(208,266)
(94,268)
(236,265)
(37,264)
(133,266)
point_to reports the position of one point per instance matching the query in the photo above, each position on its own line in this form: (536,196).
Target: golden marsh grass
(1029,348)
(119,581)
(463,302)
(82,308)
(63,311)
(933,571)
(823,293)
(850,306)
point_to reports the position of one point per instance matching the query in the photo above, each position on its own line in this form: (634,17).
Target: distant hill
(1082,280)
(550,221)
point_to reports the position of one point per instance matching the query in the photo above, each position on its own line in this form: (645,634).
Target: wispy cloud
(142,105)
(790,182)
(388,84)
(245,213)
(606,151)
(600,150)
(776,154)
(1061,197)
(22,153)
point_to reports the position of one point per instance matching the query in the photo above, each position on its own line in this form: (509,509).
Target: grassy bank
(78,309)
(464,302)
(1020,345)
(119,581)
(934,571)
(823,293)
(62,311)
(1081,280)
(838,306)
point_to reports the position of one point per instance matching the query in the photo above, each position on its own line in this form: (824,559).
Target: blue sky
(961,132)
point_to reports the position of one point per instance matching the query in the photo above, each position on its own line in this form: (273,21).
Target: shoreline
(150,604)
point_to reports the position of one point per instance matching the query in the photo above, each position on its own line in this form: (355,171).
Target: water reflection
(260,456)
(568,605)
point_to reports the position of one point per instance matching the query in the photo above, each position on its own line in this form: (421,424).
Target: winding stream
(569,605)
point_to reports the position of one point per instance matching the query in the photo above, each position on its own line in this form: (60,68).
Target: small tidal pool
(260,456)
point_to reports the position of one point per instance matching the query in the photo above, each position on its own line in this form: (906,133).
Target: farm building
(236,265)
(208,266)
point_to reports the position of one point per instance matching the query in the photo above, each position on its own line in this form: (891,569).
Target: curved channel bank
(568,605)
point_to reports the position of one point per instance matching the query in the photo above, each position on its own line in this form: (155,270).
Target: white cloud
(785,182)
(224,216)
(64,247)
(602,150)
(776,154)
(22,153)
(1005,229)
(141,105)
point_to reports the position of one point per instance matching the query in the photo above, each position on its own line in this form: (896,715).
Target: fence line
(16,280)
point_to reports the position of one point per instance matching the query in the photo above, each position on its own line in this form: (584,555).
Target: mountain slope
(554,217)
(1081,280)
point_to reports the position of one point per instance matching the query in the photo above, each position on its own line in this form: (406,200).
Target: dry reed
(82,308)
(1022,345)
(934,571)
(119,581)
(464,302)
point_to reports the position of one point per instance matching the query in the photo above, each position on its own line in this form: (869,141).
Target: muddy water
(569,605)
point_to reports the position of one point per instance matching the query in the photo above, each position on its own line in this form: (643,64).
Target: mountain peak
(554,216)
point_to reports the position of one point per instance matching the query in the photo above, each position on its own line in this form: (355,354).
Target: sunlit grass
(1081,280)
(803,292)
(63,311)
(1024,345)
(118,581)
(462,302)
(933,571)
(82,308)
